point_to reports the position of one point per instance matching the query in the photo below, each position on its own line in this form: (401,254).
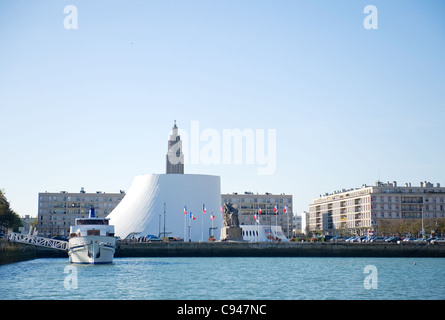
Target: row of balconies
(378,199)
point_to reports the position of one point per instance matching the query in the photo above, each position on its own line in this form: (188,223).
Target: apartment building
(58,210)
(358,210)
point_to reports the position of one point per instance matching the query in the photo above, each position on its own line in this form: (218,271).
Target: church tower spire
(175,157)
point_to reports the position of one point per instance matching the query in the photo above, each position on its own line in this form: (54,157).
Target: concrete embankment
(11,252)
(267,249)
(14,252)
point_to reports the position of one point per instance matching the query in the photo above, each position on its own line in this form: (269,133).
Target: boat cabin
(91,226)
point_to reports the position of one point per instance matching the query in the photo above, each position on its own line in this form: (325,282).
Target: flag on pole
(256,218)
(221,208)
(203,208)
(275,209)
(285,209)
(212,216)
(192,216)
(259,209)
(185,210)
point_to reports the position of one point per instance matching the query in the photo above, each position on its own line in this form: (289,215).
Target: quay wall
(14,252)
(273,249)
(11,252)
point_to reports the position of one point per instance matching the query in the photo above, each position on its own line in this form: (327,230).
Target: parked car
(175,239)
(358,239)
(327,237)
(393,239)
(152,238)
(377,239)
(338,239)
(409,239)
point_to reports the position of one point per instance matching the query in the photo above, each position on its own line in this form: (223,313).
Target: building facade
(248,204)
(357,211)
(58,210)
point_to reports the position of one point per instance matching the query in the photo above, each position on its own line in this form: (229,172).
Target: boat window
(92,221)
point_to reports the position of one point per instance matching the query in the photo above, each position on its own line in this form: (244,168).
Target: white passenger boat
(91,240)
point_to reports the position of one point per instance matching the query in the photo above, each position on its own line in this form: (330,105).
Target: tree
(8,218)
(402,227)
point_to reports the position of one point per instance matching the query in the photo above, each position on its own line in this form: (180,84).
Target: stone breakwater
(273,249)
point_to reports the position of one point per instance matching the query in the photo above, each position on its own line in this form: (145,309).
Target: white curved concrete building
(254,233)
(141,211)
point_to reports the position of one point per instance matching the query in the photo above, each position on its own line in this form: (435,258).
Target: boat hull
(92,249)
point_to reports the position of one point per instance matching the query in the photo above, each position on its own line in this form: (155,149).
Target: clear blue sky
(93,107)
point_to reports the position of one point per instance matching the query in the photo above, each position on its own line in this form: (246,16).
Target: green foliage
(412,226)
(8,218)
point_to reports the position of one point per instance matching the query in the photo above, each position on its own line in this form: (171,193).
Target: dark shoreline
(275,249)
(15,252)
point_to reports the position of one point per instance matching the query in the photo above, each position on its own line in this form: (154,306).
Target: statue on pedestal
(231,229)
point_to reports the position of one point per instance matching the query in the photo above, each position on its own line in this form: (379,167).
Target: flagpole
(259,214)
(164,222)
(185,222)
(258,227)
(276,222)
(190,228)
(212,236)
(202,223)
(287,217)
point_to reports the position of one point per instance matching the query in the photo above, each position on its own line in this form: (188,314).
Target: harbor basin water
(227,278)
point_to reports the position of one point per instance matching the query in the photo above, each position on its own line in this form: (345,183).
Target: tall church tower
(175,157)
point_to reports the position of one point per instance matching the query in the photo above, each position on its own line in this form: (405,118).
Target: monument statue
(231,229)
(230,215)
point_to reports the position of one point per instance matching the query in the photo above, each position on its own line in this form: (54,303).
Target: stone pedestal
(232,233)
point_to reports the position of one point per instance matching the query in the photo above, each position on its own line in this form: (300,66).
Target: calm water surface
(226,278)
